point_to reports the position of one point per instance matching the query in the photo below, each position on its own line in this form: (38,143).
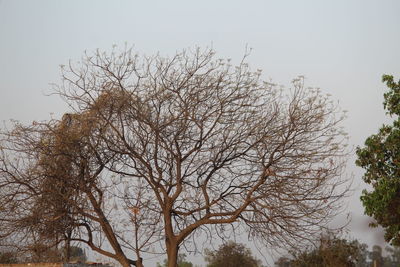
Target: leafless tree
(161,150)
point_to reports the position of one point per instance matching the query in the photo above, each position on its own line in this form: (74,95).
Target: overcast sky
(341,46)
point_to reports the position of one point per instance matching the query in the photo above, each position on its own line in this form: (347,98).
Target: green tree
(231,254)
(380,157)
(332,252)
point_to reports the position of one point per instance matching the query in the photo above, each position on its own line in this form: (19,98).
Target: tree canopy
(231,254)
(156,151)
(380,157)
(332,252)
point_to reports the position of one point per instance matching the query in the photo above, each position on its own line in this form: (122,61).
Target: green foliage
(332,252)
(337,252)
(231,254)
(380,157)
(181,261)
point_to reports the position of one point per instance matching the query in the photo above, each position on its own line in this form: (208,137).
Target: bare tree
(161,150)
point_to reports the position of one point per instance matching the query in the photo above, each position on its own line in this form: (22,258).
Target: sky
(341,46)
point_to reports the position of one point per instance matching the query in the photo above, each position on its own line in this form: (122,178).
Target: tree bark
(139,262)
(124,262)
(171,241)
(68,247)
(172,253)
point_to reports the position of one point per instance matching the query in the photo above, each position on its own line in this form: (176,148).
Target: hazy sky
(341,46)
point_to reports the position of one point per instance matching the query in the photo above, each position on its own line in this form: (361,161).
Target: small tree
(332,252)
(381,159)
(231,254)
(165,149)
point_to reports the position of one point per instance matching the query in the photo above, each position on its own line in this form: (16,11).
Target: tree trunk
(170,239)
(139,262)
(124,262)
(172,253)
(68,251)
(68,247)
